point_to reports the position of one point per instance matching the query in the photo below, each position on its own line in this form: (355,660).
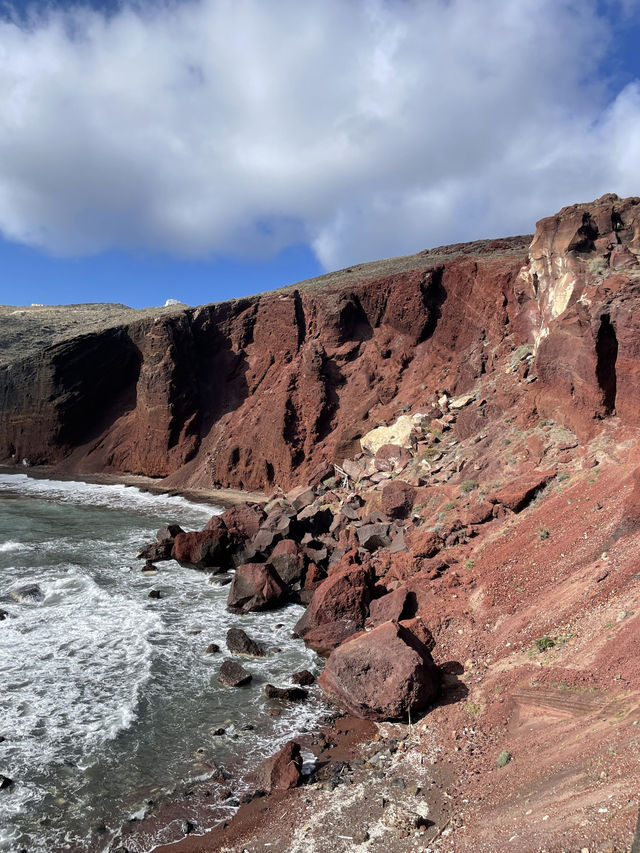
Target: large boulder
(391,606)
(203,549)
(339,607)
(256,586)
(243,521)
(282,771)
(398,498)
(384,674)
(287,560)
(392,458)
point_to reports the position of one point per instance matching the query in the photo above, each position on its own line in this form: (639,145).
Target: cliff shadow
(606,357)
(95,379)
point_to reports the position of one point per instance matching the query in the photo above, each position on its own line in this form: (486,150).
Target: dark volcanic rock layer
(261,390)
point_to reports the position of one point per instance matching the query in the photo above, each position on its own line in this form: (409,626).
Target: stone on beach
(282,771)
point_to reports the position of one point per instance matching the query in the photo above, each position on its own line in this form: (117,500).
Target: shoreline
(223,498)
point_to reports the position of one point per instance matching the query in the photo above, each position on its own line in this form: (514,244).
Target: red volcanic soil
(502,527)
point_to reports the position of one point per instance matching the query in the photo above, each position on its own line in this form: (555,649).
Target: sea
(108,702)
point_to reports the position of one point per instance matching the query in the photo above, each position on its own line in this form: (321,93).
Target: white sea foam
(5,547)
(78,660)
(115,496)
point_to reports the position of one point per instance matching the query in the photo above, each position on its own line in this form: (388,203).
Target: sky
(201,150)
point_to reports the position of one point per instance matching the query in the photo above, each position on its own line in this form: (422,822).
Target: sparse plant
(543,533)
(545,643)
(448,506)
(504,758)
(467,486)
(563,475)
(473,709)
(470,563)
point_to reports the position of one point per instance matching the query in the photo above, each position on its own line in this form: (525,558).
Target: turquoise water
(107,699)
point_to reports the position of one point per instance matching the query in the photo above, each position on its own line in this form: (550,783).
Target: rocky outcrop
(575,295)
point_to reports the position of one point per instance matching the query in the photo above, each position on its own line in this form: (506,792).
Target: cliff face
(258,391)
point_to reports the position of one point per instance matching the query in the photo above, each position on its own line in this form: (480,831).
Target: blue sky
(206,149)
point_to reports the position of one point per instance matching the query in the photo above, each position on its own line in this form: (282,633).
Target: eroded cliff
(259,391)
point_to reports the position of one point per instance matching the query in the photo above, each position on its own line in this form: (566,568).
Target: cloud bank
(365,129)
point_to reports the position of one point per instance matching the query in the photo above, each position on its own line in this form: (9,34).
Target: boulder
(384,674)
(374,536)
(202,549)
(212,649)
(162,547)
(398,498)
(391,606)
(282,771)
(239,643)
(232,674)
(288,694)
(400,433)
(301,497)
(339,606)
(287,560)
(304,678)
(243,521)
(392,458)
(4,614)
(423,543)
(256,586)
(517,494)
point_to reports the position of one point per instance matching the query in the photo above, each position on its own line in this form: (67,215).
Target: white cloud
(366,128)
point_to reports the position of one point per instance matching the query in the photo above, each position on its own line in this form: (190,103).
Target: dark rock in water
(232,674)
(289,694)
(282,771)
(162,547)
(304,677)
(5,783)
(30,592)
(256,586)
(212,649)
(149,568)
(219,732)
(154,593)
(239,643)
(4,614)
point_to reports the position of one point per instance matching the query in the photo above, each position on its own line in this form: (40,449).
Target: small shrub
(470,563)
(563,475)
(504,758)
(473,709)
(467,486)
(448,506)
(543,534)
(545,643)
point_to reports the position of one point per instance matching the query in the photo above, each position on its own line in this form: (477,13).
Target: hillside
(500,509)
